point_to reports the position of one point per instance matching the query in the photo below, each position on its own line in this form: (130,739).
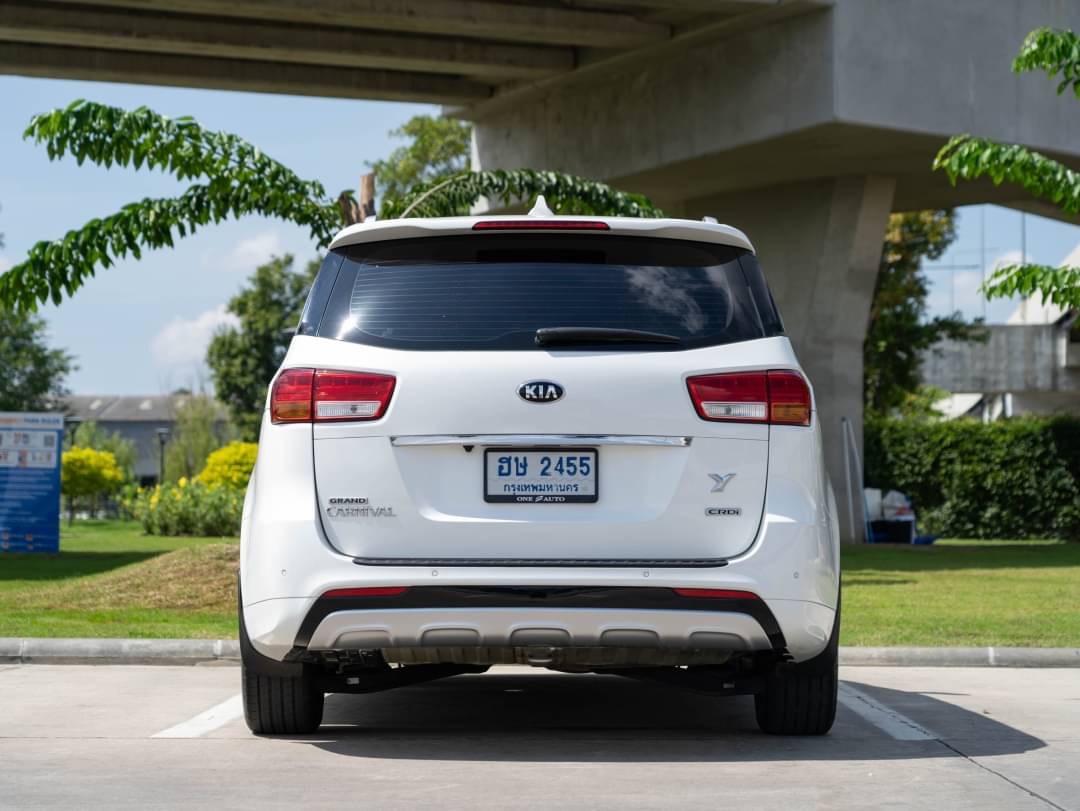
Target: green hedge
(1016,478)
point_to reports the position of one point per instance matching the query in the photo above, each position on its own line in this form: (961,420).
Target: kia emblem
(540,391)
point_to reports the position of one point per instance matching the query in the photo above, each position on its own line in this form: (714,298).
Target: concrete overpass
(805,122)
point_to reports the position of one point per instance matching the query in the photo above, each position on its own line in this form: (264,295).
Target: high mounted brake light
(326,395)
(541,225)
(776,397)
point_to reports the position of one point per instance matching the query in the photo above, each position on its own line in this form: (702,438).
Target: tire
(801,699)
(281,705)
(279,698)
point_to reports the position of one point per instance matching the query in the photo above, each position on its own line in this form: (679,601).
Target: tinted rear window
(494,291)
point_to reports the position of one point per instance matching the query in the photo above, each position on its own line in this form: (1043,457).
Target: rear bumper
(546,627)
(537,616)
(429,616)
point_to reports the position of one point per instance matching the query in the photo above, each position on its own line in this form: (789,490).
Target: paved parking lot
(75,736)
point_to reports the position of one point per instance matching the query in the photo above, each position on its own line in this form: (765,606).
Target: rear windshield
(494,291)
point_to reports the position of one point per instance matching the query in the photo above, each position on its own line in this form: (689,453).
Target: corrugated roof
(129,408)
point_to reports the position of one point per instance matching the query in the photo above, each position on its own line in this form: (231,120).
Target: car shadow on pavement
(588,718)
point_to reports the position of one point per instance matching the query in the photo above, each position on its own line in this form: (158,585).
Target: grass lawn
(1007,593)
(111,580)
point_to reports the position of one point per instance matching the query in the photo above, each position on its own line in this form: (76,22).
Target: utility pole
(353,210)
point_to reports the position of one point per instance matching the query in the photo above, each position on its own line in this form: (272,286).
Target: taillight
(779,397)
(351,395)
(789,398)
(290,398)
(325,395)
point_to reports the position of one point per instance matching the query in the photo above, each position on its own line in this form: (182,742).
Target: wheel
(281,705)
(801,699)
(279,698)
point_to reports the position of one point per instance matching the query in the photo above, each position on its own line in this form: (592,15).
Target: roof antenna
(540,209)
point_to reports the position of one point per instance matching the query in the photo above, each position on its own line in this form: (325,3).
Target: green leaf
(240,180)
(1059,285)
(1054,51)
(966,157)
(565,194)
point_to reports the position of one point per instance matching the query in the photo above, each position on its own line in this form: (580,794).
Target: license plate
(540,475)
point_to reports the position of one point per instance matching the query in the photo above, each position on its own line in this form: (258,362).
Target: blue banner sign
(30,446)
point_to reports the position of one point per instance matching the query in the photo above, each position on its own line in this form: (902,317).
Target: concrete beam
(120,29)
(718,7)
(807,96)
(477,19)
(600,70)
(679,5)
(56,62)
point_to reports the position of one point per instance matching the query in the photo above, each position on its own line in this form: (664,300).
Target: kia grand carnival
(583,444)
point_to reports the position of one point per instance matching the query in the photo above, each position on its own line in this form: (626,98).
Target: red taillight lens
(541,225)
(351,395)
(290,398)
(372,591)
(780,397)
(718,594)
(789,398)
(742,397)
(325,395)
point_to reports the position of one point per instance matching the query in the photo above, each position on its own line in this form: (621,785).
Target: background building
(136,418)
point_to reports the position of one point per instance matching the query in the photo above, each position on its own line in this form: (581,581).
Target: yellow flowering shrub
(88,472)
(230,466)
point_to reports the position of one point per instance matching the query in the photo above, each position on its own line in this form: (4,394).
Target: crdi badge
(30,481)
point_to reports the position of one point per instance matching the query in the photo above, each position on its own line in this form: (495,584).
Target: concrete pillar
(819,244)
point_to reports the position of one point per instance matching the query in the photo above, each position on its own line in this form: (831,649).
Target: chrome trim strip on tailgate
(540,439)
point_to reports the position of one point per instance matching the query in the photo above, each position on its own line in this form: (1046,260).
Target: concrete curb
(227,651)
(960,657)
(119,651)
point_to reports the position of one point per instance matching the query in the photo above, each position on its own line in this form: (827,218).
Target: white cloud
(959,290)
(247,254)
(966,284)
(182,342)
(1072,258)
(1007,258)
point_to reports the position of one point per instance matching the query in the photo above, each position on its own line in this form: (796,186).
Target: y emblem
(720,481)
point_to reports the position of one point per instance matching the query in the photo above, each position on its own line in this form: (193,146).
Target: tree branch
(967,157)
(60,267)
(1060,286)
(1055,51)
(567,194)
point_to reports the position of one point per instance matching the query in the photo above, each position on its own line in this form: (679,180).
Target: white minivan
(578,443)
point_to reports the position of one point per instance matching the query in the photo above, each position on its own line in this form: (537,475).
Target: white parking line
(214,718)
(888,720)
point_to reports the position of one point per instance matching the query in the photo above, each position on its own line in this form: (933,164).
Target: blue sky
(142,326)
(988,237)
